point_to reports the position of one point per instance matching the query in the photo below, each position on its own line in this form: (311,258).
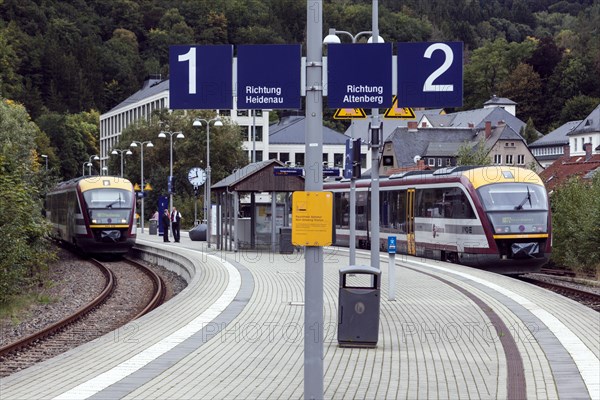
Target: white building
(154,95)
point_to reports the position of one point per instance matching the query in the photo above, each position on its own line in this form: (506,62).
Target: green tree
(578,107)
(525,87)
(24,250)
(489,67)
(473,155)
(576,225)
(529,133)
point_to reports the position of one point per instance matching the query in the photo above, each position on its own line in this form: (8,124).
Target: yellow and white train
(495,218)
(94,213)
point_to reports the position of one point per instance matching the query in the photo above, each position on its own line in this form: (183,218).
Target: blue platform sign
(201,77)
(359,75)
(268,76)
(430,74)
(391,244)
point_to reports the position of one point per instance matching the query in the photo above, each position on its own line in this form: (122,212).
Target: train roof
(477,175)
(95,181)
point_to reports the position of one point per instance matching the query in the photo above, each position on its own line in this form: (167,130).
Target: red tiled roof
(566,167)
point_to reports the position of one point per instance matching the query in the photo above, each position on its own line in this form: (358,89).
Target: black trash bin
(153,227)
(358,311)
(285,240)
(198,233)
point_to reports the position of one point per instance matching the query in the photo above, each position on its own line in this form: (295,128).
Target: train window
(393,211)
(444,203)
(513,196)
(342,210)
(108,198)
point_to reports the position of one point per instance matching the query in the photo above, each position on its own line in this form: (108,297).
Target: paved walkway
(237,332)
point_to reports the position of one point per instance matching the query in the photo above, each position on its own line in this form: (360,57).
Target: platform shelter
(253,205)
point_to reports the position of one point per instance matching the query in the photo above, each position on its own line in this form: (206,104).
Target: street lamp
(89,164)
(148,143)
(163,134)
(104,170)
(119,151)
(207,202)
(45,156)
(332,37)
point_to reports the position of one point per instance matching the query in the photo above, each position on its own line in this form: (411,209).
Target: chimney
(420,165)
(588,151)
(566,151)
(471,125)
(488,129)
(413,126)
(501,123)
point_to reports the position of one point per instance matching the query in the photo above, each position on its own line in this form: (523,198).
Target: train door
(410,221)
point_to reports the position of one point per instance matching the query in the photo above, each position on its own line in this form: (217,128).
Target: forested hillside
(73,56)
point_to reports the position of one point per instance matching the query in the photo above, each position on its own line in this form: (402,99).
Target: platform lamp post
(89,164)
(332,38)
(119,151)
(163,134)
(148,143)
(45,156)
(207,202)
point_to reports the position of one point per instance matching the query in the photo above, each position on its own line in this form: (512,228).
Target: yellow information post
(312,218)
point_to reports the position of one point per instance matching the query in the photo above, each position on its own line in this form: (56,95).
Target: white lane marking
(587,362)
(127,367)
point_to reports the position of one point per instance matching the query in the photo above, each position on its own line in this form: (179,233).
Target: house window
(448,162)
(520,159)
(431,162)
(284,157)
(244,133)
(258,135)
(299,159)
(439,162)
(242,113)
(338,159)
(272,156)
(325,158)
(509,159)
(497,159)
(388,161)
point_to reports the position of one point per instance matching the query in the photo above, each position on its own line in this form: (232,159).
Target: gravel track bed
(73,284)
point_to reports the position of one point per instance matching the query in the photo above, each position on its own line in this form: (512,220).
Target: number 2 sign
(430,74)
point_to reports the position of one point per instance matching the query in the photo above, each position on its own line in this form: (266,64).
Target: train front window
(108,206)
(515,208)
(513,196)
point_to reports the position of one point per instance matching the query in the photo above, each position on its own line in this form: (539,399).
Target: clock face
(197,176)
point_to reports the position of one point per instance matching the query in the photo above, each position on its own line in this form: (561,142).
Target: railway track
(585,297)
(105,313)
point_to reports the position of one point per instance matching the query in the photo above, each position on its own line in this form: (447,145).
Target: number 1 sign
(430,74)
(201,77)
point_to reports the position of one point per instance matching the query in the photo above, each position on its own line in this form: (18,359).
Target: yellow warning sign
(399,112)
(312,218)
(147,186)
(350,113)
(136,187)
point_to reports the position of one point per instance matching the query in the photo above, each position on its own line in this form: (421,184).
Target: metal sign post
(313,259)
(392,268)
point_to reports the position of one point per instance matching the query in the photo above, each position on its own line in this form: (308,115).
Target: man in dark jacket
(166,221)
(176,219)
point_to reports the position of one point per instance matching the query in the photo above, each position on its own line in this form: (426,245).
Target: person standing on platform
(166,221)
(176,219)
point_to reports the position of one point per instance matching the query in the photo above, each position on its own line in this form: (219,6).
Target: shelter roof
(259,177)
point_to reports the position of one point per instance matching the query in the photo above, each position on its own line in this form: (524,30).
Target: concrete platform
(237,332)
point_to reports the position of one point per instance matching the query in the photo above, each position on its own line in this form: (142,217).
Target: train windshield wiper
(528,197)
(119,200)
